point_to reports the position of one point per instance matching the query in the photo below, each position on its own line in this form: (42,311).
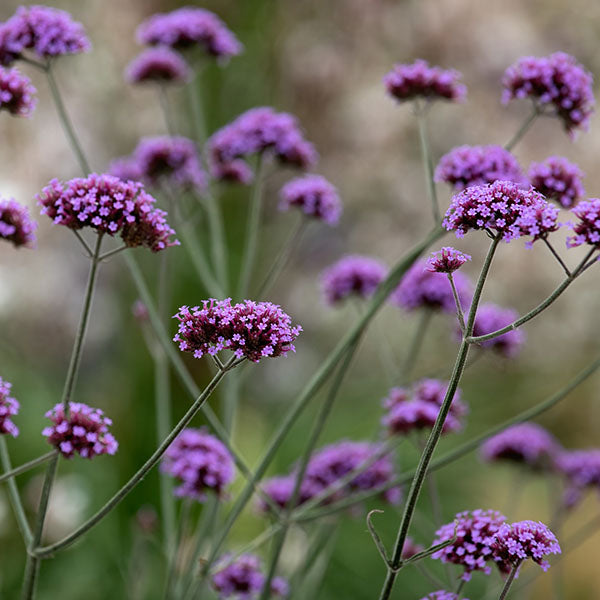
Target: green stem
(195,99)
(9,474)
(218,241)
(421,113)
(556,256)
(523,129)
(166,109)
(459,310)
(509,581)
(176,550)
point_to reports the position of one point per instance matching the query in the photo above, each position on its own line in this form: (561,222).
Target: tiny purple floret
(9,407)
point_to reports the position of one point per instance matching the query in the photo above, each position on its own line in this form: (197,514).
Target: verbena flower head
(158,65)
(465,166)
(557,179)
(251,330)
(84,431)
(314,195)
(352,275)
(17,94)
(557,83)
(243,579)
(519,541)
(503,207)
(587,228)
(582,470)
(472,548)
(259,130)
(9,407)
(108,205)
(47,32)
(442,595)
(446,260)
(420,288)
(188,27)
(419,80)
(490,318)
(16,225)
(527,443)
(200,462)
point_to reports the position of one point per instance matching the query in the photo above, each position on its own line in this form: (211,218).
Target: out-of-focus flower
(527,443)
(420,288)
(446,260)
(419,80)
(16,226)
(582,470)
(472,548)
(140,311)
(556,83)
(17,94)
(251,330)
(200,462)
(158,65)
(490,318)
(519,541)
(188,27)
(587,229)
(109,205)
(314,195)
(84,431)
(47,32)
(502,207)
(243,579)
(259,130)
(442,595)
(411,548)
(9,407)
(352,275)
(557,179)
(465,166)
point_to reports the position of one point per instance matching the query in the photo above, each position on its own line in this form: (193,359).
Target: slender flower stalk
(196,105)
(421,113)
(218,241)
(529,121)
(459,310)
(509,581)
(40,460)
(557,256)
(163,98)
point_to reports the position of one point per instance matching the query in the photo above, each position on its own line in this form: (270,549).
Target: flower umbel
(16,225)
(582,470)
(557,179)
(446,260)
(587,229)
(158,65)
(16,93)
(314,195)
(9,407)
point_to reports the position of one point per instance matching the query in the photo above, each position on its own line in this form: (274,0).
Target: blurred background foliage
(322,60)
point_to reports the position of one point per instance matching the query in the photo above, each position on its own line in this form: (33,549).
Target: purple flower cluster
(519,541)
(446,260)
(420,288)
(200,462)
(582,470)
(490,318)
(108,205)
(472,548)
(16,93)
(244,578)
(556,82)
(46,31)
(442,595)
(158,65)
(504,208)
(251,330)
(407,413)
(352,275)
(16,225)
(527,443)
(587,229)
(258,130)
(419,80)
(465,166)
(9,407)
(173,158)
(315,196)
(187,27)
(84,431)
(557,179)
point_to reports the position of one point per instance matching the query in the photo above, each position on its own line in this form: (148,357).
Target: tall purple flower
(582,470)
(557,179)
(419,80)
(490,318)
(314,196)
(472,548)
(514,543)
(420,288)
(352,275)
(587,228)
(200,462)
(188,27)
(158,65)
(84,431)
(557,84)
(527,443)
(9,407)
(251,330)
(16,93)
(16,225)
(108,205)
(258,131)
(47,32)
(443,595)
(465,166)
(446,260)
